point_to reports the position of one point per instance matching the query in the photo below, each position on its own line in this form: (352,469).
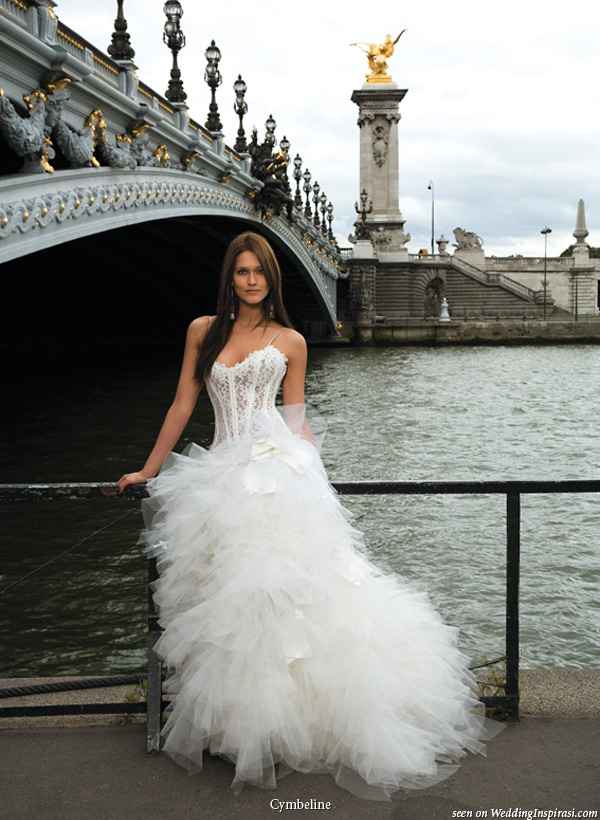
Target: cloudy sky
(502,111)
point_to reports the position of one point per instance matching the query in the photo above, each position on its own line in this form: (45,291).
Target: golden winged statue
(378,55)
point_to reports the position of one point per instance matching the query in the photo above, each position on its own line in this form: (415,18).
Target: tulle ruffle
(289,647)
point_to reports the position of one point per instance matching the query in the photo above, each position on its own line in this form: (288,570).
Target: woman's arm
(293,383)
(180,411)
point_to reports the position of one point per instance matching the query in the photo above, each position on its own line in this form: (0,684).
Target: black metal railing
(508,703)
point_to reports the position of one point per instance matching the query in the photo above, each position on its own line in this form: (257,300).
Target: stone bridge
(114,202)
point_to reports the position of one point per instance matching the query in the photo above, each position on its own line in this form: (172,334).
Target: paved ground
(547,761)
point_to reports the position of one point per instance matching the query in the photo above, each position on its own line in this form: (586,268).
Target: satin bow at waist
(257,479)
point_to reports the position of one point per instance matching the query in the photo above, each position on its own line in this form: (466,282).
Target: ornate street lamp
(298,177)
(362,229)
(330,219)
(174,38)
(284,144)
(212,77)
(120,47)
(323,212)
(545,232)
(316,191)
(270,125)
(430,188)
(307,189)
(240,107)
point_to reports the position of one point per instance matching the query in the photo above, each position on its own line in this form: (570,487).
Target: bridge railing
(507,703)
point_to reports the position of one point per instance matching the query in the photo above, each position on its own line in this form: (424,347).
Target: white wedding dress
(290,650)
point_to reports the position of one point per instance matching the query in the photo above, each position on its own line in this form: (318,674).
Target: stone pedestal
(378,122)
(363,249)
(473,256)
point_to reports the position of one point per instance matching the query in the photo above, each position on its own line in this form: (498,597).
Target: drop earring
(271,310)
(232,314)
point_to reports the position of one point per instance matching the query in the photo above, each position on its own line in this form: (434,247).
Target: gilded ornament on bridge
(139,130)
(190,157)
(161,155)
(270,168)
(57,85)
(377,57)
(36,95)
(45,158)
(30,136)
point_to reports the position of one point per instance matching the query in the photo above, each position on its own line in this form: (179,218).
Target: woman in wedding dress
(290,650)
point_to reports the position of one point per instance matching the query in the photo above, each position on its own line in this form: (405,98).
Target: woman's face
(249,279)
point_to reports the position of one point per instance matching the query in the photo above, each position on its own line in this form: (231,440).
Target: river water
(400,413)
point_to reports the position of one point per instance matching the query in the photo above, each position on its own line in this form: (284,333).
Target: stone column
(378,122)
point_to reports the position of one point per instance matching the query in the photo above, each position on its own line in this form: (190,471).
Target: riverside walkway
(93,768)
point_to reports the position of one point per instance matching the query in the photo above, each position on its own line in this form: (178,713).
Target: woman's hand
(132,478)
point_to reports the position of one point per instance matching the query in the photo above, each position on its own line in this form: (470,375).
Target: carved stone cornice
(91,201)
(379,98)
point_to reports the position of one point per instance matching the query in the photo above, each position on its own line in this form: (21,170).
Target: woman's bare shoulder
(199,328)
(292,337)
(292,343)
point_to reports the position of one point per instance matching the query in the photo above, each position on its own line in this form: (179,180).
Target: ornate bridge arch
(135,160)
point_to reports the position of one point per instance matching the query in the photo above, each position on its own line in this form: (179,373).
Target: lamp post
(298,177)
(545,232)
(212,77)
(430,188)
(240,107)
(330,219)
(174,38)
(120,47)
(270,126)
(285,144)
(307,190)
(323,212)
(362,230)
(316,191)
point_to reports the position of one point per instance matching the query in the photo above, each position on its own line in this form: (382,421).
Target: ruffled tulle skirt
(290,650)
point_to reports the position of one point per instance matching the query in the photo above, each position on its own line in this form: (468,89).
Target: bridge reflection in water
(124,204)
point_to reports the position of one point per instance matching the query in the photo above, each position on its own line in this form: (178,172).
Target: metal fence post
(154,669)
(513,547)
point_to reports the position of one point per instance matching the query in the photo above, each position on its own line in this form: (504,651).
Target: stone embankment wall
(479,332)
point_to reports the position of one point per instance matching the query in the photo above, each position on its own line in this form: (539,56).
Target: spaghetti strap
(281,329)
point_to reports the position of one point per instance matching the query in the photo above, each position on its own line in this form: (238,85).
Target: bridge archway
(139,284)
(118,202)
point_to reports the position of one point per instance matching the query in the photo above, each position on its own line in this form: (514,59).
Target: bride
(290,650)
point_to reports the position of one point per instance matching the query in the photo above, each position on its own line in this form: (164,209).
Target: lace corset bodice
(238,392)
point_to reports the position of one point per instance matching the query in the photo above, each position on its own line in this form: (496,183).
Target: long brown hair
(220,329)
